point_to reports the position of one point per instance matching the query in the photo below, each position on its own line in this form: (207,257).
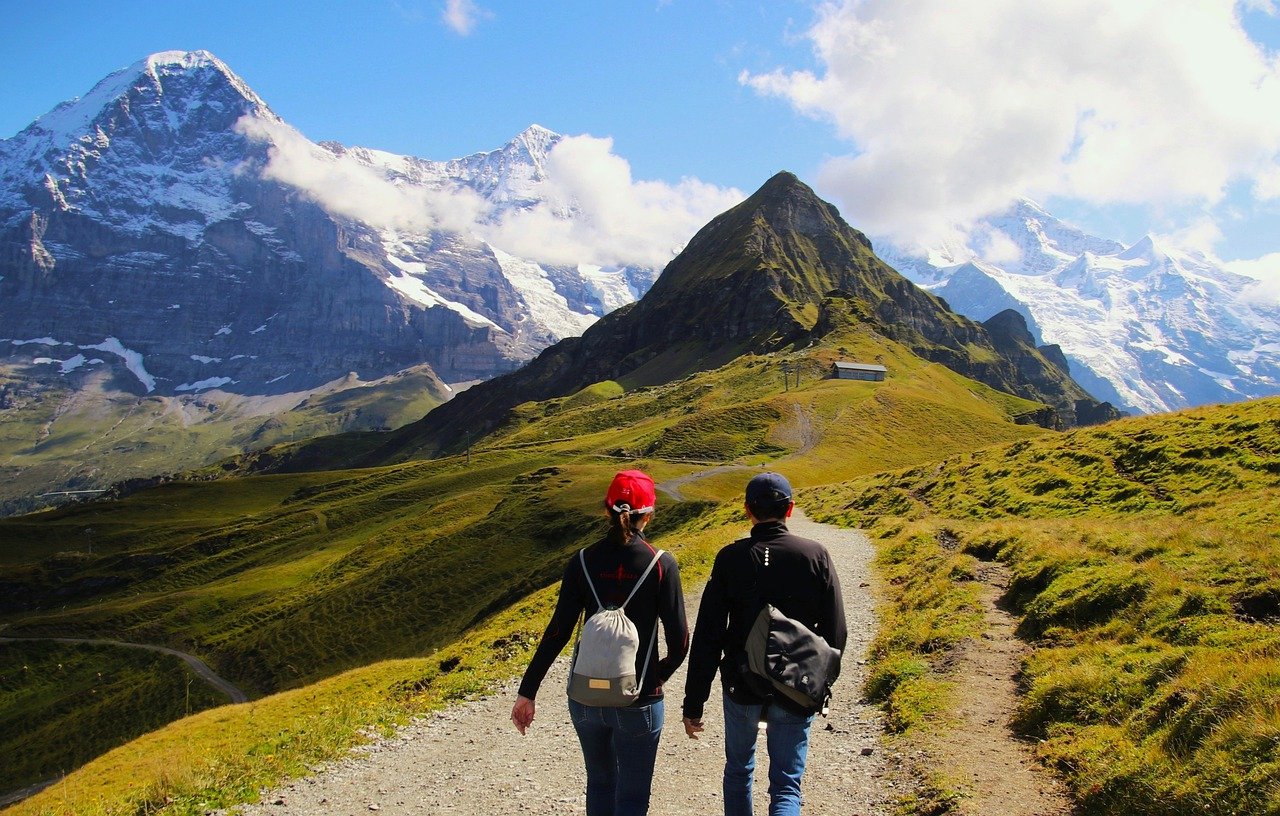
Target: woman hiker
(621,721)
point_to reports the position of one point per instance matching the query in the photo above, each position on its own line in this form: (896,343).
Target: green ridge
(1146,573)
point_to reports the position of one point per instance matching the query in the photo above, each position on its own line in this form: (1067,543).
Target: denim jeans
(619,747)
(787,739)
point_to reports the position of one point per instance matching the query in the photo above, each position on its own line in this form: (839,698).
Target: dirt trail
(196,664)
(470,760)
(995,770)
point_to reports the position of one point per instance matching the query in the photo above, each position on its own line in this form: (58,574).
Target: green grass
(103,695)
(288,581)
(54,438)
(1146,574)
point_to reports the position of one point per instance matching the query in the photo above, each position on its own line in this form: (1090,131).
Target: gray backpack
(604,661)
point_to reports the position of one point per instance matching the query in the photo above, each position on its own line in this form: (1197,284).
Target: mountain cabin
(858,371)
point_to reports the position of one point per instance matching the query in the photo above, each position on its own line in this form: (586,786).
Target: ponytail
(626,523)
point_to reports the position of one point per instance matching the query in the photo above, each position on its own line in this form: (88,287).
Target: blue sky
(914,116)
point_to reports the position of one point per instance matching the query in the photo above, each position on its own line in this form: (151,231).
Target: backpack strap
(582,558)
(653,639)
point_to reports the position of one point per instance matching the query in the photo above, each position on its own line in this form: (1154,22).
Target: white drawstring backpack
(604,660)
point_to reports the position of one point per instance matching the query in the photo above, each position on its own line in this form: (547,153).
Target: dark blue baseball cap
(767,489)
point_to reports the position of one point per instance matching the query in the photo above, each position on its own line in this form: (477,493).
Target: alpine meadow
(351,555)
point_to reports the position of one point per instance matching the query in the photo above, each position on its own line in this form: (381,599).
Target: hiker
(796,575)
(619,741)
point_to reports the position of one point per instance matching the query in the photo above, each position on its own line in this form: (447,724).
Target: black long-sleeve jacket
(794,574)
(614,567)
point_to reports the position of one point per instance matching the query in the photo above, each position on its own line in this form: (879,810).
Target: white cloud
(997,247)
(346,187)
(955,109)
(618,220)
(594,212)
(463,15)
(1202,235)
(1266,272)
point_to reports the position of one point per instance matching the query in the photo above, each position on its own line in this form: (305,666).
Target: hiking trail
(470,760)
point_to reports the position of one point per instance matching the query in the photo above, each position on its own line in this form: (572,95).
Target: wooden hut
(858,371)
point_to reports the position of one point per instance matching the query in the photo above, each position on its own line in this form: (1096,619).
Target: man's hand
(692,727)
(522,713)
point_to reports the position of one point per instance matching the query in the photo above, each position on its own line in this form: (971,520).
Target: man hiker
(797,577)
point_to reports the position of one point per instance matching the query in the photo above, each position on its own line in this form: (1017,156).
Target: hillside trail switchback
(469,760)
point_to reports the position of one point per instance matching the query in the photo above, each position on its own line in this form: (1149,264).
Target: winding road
(197,665)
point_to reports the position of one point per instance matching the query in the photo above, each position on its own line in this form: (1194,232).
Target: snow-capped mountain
(142,228)
(1147,327)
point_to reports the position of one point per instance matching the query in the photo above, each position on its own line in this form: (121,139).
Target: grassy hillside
(104,695)
(285,580)
(1146,573)
(58,435)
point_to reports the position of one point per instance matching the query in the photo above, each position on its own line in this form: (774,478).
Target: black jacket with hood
(775,566)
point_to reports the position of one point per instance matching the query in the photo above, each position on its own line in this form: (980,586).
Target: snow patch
(132,360)
(547,307)
(202,385)
(200,358)
(40,341)
(411,286)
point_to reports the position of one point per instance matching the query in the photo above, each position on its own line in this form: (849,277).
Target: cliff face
(142,230)
(231,306)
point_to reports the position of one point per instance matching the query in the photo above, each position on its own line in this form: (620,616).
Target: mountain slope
(1139,560)
(146,221)
(1148,327)
(753,280)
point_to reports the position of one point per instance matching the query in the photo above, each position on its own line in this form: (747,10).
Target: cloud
(955,109)
(1265,271)
(463,15)
(997,247)
(345,186)
(591,210)
(617,219)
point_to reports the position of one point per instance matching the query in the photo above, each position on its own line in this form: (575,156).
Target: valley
(355,545)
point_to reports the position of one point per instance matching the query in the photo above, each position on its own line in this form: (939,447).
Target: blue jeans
(619,746)
(787,738)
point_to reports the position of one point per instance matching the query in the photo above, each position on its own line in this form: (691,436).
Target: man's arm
(708,643)
(836,627)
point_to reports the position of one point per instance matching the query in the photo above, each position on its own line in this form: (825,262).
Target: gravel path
(470,760)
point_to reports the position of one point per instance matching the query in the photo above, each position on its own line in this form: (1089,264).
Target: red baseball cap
(631,491)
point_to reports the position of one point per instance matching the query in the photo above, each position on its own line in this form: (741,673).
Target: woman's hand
(522,713)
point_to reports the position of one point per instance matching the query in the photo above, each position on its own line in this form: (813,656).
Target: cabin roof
(845,366)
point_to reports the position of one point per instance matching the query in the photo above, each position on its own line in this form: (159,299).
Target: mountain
(167,298)
(296,563)
(781,270)
(142,228)
(1148,327)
